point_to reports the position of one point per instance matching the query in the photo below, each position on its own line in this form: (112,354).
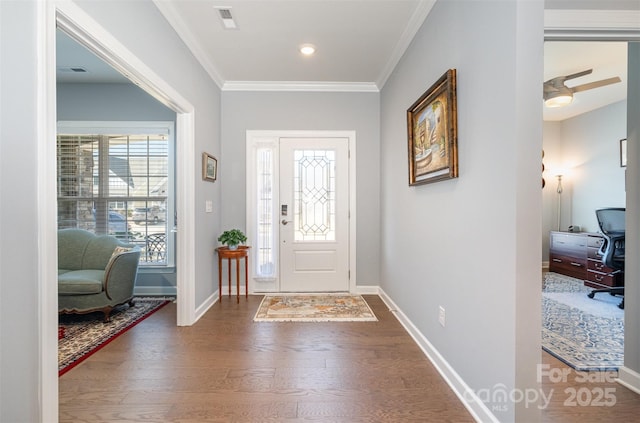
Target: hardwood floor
(226,368)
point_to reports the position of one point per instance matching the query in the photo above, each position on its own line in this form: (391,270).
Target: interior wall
(19,249)
(268,110)
(472,244)
(162,50)
(591,157)
(21,363)
(109,102)
(119,102)
(585,150)
(552,147)
(630,373)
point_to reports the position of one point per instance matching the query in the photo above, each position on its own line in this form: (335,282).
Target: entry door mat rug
(586,334)
(84,334)
(314,308)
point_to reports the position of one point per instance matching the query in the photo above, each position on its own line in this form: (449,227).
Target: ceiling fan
(557,94)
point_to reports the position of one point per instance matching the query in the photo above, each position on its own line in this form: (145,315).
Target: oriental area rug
(586,334)
(81,335)
(314,308)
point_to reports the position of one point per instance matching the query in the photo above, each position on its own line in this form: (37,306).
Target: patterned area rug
(314,308)
(81,335)
(586,334)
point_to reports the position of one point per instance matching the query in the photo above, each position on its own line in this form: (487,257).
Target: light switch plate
(208,206)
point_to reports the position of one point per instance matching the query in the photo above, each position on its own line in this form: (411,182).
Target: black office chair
(612,226)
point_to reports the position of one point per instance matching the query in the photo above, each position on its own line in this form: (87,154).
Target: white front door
(314,214)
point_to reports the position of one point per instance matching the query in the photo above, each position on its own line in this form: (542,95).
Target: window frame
(139,128)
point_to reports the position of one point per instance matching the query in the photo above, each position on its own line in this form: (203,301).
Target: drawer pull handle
(557,260)
(599,278)
(573,263)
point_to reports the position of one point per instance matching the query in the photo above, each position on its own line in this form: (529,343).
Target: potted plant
(232,238)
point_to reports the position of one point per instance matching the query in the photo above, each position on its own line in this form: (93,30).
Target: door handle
(284,221)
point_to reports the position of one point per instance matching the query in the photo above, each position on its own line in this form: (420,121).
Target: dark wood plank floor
(228,369)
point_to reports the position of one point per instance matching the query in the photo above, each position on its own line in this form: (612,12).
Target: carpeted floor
(585,333)
(82,335)
(314,308)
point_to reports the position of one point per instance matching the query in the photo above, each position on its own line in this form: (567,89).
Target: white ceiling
(607,59)
(358,44)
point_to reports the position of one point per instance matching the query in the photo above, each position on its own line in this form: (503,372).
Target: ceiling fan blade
(578,75)
(595,84)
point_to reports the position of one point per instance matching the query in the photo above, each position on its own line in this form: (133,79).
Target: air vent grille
(227,17)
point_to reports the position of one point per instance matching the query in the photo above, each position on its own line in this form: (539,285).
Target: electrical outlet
(441,315)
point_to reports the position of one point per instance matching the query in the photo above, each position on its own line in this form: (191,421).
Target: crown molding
(592,24)
(416,21)
(311,86)
(169,12)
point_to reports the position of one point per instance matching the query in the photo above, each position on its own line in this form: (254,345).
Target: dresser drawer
(598,266)
(603,278)
(568,244)
(570,266)
(594,241)
(593,253)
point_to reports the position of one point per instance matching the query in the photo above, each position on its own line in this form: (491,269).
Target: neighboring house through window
(116,178)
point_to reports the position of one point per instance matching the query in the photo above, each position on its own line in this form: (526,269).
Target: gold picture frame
(209,167)
(432,126)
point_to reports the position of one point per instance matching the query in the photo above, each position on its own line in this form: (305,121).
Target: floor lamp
(559,191)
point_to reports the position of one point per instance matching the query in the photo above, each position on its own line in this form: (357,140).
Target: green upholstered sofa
(95,272)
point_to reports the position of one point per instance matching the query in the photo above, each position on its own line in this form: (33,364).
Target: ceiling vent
(74,69)
(227,18)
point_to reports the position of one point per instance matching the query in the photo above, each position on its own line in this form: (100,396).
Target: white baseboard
(545,266)
(629,379)
(167,291)
(469,399)
(367,290)
(206,305)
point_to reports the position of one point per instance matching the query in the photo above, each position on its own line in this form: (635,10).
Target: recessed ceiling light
(307,49)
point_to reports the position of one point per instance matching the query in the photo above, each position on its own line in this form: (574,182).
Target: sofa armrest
(120,275)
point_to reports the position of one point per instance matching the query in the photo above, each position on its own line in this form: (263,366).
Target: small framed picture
(623,152)
(209,167)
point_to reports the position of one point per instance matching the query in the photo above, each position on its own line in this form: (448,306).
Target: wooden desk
(226,253)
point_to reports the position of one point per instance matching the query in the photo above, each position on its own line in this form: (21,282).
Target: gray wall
(630,373)
(119,102)
(159,48)
(19,252)
(109,102)
(142,28)
(244,111)
(585,149)
(472,244)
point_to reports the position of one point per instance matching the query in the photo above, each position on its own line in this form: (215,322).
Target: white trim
(469,399)
(254,137)
(592,25)
(417,19)
(182,29)
(206,305)
(46,169)
(310,86)
(368,290)
(186,230)
(150,291)
(629,379)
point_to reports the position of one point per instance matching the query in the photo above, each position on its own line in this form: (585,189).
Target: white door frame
(84,29)
(272,137)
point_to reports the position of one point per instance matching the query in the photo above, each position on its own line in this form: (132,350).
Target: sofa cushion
(99,251)
(80,282)
(72,244)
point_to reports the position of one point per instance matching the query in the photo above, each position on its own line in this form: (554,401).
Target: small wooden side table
(226,253)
